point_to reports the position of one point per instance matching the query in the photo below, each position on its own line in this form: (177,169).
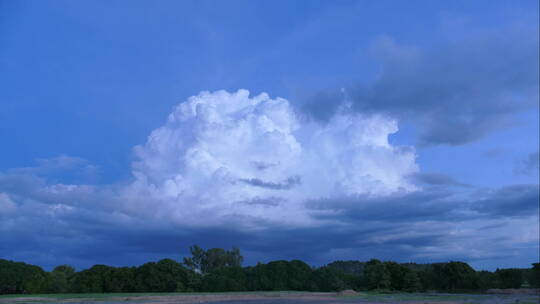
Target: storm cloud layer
(231,169)
(456,93)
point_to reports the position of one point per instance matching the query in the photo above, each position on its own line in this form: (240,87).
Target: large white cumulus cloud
(227,154)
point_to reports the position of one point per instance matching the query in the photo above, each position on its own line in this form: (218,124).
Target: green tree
(376,276)
(205,261)
(121,279)
(328,279)
(411,281)
(277,272)
(298,275)
(164,276)
(432,277)
(17,277)
(279,275)
(175,277)
(459,275)
(533,276)
(401,277)
(486,280)
(509,278)
(92,280)
(449,276)
(258,277)
(197,259)
(61,278)
(350,267)
(225,279)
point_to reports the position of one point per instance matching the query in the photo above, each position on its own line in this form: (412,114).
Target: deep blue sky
(84,82)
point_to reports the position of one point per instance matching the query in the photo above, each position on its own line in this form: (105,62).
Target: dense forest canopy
(217,269)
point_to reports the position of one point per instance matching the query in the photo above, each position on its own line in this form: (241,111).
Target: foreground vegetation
(274,297)
(111,295)
(219,270)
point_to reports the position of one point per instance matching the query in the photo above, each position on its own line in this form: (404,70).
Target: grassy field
(270,297)
(146,294)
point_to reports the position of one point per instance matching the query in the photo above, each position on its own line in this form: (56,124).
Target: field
(272,298)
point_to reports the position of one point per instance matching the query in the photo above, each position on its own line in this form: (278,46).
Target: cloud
(220,148)
(456,93)
(529,165)
(228,170)
(432,204)
(516,200)
(284,185)
(268,201)
(6,204)
(434,224)
(62,168)
(436,179)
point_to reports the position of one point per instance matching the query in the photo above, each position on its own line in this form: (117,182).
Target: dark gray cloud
(260,165)
(517,200)
(284,185)
(434,204)
(533,161)
(267,201)
(83,227)
(529,165)
(323,105)
(492,226)
(428,205)
(437,179)
(141,241)
(456,93)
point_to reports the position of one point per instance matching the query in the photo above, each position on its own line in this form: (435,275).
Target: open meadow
(274,298)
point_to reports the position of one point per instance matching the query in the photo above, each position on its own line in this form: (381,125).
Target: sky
(312,130)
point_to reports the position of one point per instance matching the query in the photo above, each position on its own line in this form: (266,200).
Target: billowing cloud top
(230,169)
(227,154)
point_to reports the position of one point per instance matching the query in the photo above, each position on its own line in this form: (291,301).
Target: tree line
(221,270)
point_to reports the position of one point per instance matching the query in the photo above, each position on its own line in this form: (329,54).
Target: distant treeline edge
(220,270)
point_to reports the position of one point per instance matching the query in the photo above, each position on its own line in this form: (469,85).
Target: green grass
(374,296)
(63,296)
(466,298)
(393,297)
